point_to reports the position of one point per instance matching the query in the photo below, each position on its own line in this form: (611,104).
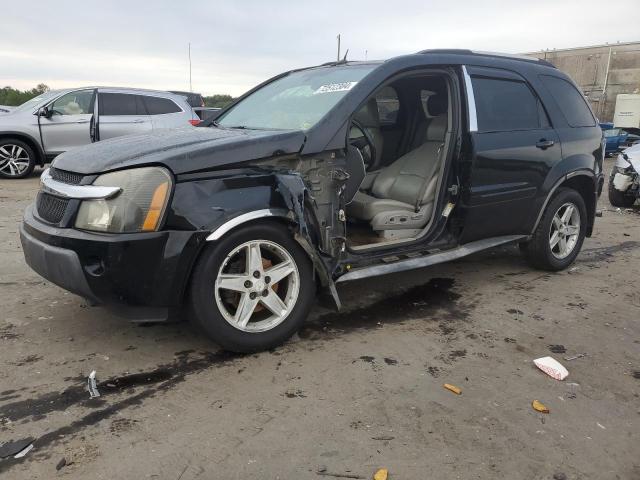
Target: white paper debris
(551,367)
(91,385)
(23,452)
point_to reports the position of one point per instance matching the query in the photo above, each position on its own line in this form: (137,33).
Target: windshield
(613,132)
(36,100)
(297,101)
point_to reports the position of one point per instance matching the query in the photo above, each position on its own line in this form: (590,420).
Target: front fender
(221,203)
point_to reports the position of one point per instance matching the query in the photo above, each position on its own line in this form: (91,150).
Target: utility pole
(366,54)
(338,47)
(190,85)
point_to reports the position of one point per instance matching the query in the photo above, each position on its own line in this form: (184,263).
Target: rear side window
(571,102)
(388,106)
(121,104)
(160,106)
(504,105)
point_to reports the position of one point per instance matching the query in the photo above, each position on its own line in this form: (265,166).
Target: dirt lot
(354,391)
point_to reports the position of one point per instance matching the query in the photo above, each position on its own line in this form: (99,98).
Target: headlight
(137,208)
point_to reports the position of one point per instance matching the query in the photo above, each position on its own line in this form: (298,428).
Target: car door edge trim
(245,217)
(471,101)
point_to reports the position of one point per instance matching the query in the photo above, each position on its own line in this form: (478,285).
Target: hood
(633,154)
(182,150)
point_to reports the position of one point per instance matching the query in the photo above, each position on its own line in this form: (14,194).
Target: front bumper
(141,276)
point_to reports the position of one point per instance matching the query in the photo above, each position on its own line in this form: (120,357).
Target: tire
(618,198)
(17,159)
(212,307)
(539,251)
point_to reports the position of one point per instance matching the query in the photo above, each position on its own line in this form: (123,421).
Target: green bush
(13,97)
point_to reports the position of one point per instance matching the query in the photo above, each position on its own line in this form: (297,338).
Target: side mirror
(44,112)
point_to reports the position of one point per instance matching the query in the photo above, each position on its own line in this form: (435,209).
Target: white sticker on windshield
(335,87)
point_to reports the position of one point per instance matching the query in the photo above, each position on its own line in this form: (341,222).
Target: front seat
(402,195)
(367,118)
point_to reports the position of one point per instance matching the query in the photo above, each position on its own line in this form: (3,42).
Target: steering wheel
(365,144)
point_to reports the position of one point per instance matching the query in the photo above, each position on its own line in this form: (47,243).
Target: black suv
(338,172)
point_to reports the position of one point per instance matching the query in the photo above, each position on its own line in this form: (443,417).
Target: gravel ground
(353,391)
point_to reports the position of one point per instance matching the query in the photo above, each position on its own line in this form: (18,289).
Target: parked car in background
(56,121)
(196,101)
(343,171)
(624,181)
(617,139)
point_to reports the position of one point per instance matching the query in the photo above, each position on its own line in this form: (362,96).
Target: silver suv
(56,121)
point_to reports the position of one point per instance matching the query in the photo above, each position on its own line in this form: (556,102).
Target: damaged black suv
(322,175)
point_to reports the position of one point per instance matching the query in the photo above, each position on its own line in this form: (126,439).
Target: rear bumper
(140,276)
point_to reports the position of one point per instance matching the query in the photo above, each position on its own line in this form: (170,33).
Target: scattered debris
(383,437)
(551,367)
(91,385)
(323,471)
(601,426)
(453,388)
(539,407)
(61,464)
(575,357)
(574,269)
(559,348)
(381,474)
(559,476)
(23,452)
(11,448)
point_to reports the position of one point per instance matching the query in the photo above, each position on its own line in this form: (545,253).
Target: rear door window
(160,106)
(505,105)
(118,104)
(573,105)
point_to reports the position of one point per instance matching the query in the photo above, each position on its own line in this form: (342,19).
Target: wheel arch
(585,183)
(29,140)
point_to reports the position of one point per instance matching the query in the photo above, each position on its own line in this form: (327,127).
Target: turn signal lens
(154,214)
(195,122)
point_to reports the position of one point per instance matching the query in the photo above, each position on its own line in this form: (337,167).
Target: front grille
(66,177)
(51,208)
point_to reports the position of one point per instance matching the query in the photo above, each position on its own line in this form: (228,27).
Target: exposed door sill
(430,259)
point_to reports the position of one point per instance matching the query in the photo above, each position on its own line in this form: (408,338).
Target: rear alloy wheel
(17,159)
(253,289)
(560,233)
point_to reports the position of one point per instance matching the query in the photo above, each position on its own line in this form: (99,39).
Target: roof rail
(460,51)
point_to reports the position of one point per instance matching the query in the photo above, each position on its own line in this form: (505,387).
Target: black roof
(462,51)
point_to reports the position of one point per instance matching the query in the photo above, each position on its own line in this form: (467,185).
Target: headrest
(437,128)
(367,116)
(437,104)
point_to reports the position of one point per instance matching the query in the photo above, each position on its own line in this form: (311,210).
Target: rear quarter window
(505,105)
(160,106)
(117,104)
(571,102)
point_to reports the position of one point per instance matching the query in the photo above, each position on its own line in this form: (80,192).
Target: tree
(218,101)
(12,97)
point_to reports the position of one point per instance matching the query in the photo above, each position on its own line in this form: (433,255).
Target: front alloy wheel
(252,289)
(16,159)
(257,286)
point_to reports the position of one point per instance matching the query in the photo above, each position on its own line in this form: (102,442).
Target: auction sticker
(335,87)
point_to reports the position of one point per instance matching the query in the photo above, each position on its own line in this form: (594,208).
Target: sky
(236,45)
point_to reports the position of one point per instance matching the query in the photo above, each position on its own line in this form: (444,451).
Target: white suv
(56,121)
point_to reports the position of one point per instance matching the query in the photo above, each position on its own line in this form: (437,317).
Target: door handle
(544,144)
(83,121)
(138,121)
